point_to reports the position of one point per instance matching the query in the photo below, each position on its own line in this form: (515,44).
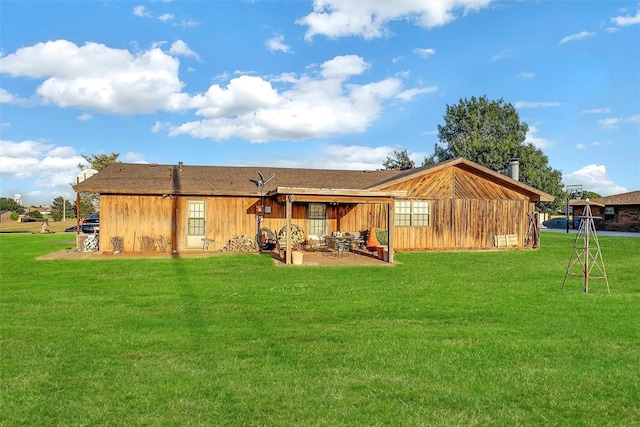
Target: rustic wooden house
(620,212)
(456,204)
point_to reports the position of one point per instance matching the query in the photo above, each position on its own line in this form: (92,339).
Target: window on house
(317,219)
(413,213)
(609,213)
(196,219)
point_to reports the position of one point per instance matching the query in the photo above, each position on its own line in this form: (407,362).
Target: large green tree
(99,161)
(89,202)
(7,204)
(490,133)
(86,206)
(399,161)
(61,208)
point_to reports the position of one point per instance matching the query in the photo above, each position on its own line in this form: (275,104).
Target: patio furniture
(340,245)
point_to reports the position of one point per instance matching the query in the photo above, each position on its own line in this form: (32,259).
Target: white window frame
(317,217)
(412,213)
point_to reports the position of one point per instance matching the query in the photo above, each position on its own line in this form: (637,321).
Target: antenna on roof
(260,183)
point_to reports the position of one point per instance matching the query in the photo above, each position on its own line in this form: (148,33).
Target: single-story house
(456,204)
(5,216)
(620,212)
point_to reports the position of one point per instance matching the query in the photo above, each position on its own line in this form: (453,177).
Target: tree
(490,133)
(86,205)
(590,195)
(7,204)
(100,161)
(97,162)
(399,161)
(60,208)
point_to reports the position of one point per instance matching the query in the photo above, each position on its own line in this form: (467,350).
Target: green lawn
(484,338)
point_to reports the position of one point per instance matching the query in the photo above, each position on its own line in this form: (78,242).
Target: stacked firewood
(297,236)
(241,244)
(117,244)
(147,243)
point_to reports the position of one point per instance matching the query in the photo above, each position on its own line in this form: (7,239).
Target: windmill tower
(586,258)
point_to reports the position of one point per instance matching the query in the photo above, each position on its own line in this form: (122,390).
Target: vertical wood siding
(467,211)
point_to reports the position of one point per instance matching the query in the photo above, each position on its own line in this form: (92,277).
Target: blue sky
(321,84)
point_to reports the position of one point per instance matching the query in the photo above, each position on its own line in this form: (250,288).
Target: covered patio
(290,195)
(315,258)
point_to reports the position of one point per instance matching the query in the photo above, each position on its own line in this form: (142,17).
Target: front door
(195,223)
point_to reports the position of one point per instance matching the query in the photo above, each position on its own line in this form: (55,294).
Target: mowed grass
(475,338)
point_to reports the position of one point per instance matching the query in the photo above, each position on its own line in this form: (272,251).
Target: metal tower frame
(586,258)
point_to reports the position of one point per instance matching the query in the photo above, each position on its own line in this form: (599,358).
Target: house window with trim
(609,213)
(416,213)
(196,219)
(317,219)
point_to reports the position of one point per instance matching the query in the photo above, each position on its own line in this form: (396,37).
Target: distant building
(620,212)
(5,216)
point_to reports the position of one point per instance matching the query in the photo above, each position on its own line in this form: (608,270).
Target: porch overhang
(330,195)
(290,195)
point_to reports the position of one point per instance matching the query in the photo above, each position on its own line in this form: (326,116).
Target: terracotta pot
(372,240)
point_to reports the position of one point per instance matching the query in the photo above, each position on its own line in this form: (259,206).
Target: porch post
(288,225)
(391,211)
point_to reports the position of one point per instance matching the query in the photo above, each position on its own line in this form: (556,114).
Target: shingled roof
(631,198)
(129,178)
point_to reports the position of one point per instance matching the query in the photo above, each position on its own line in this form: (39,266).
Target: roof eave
(335,192)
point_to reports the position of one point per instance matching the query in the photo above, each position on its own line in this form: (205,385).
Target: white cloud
(5,125)
(141,12)
(369,19)
(344,66)
(159,126)
(409,95)
(46,169)
(9,98)
(276,44)
(594,178)
(612,122)
(537,141)
(26,159)
(187,23)
(526,104)
(503,54)
(526,75)
(627,20)
(424,52)
(578,36)
(96,77)
(581,146)
(6,97)
(166,17)
(180,48)
(84,117)
(308,106)
(346,157)
(133,157)
(596,111)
